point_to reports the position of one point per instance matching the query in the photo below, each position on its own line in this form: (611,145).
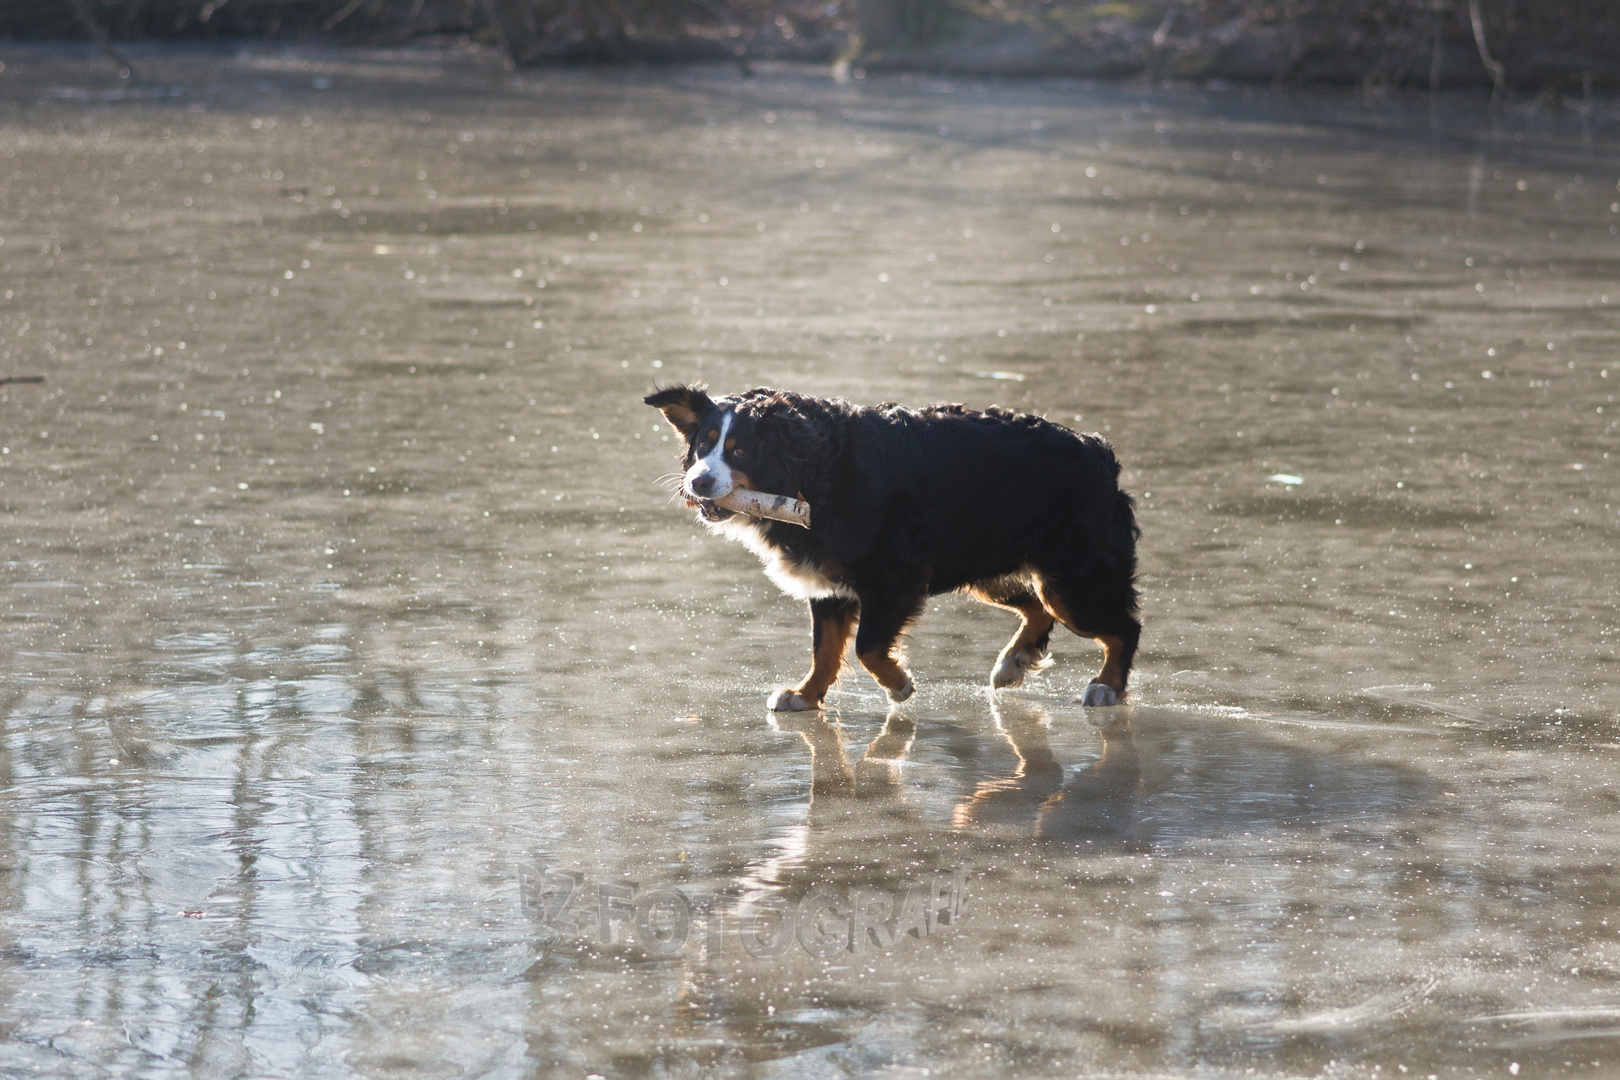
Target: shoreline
(1194,48)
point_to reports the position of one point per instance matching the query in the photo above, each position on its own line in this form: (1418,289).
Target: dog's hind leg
(832,620)
(1026,652)
(883,619)
(1105,615)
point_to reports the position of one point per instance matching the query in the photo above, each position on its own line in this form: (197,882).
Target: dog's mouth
(708,509)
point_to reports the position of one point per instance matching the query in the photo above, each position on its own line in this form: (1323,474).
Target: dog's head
(749,440)
(717,456)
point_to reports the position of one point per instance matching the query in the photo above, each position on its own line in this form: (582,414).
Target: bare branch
(1498,72)
(348,9)
(87,19)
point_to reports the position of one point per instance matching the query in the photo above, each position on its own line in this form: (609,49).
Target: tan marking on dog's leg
(1110,681)
(825,663)
(1054,606)
(1023,653)
(828,659)
(886,669)
(1111,675)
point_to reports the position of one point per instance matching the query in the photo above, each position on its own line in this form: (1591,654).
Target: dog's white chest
(804,580)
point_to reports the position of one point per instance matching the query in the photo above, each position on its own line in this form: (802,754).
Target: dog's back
(979,493)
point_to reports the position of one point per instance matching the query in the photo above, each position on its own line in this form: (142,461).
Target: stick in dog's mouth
(757,504)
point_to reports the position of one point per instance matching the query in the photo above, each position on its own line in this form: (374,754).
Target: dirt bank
(1535,49)
(1510,48)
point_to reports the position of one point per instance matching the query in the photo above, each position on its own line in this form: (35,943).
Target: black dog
(905,504)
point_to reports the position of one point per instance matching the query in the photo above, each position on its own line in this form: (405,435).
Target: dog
(1012,509)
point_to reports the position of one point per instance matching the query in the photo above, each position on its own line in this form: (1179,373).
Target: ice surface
(338,645)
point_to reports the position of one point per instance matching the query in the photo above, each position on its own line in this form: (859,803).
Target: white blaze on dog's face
(710,476)
(720,446)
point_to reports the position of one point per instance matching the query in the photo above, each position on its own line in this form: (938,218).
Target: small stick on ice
(761,505)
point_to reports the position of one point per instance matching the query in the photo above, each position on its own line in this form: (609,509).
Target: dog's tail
(1122,528)
(1115,529)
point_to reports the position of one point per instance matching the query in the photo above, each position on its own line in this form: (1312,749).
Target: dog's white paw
(787,700)
(1012,667)
(899,695)
(1007,672)
(1099,695)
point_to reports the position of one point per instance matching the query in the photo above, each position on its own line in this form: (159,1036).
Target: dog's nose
(703,486)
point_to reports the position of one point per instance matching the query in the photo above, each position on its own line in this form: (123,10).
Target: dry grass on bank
(1522,46)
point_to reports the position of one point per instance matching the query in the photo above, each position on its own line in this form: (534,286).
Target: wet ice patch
(1285,478)
(1375,1010)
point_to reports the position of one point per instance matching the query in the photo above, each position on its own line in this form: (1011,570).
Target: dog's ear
(681,406)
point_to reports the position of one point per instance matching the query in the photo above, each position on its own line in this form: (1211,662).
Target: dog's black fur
(909,503)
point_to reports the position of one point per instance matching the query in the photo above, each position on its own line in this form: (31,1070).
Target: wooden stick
(761,505)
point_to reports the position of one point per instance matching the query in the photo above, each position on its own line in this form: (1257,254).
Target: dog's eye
(738,452)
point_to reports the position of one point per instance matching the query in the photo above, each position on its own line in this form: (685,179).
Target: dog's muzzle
(708,510)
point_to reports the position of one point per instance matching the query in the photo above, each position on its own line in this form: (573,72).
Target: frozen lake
(369,709)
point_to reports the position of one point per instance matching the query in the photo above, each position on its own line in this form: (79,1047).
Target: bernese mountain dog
(905,504)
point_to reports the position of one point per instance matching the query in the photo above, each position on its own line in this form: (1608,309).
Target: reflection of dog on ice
(877,774)
(1155,777)
(1098,802)
(846,908)
(848,793)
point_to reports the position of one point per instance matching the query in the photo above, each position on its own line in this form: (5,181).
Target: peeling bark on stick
(762,505)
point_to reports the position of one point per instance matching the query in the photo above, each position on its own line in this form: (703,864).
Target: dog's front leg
(832,620)
(877,641)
